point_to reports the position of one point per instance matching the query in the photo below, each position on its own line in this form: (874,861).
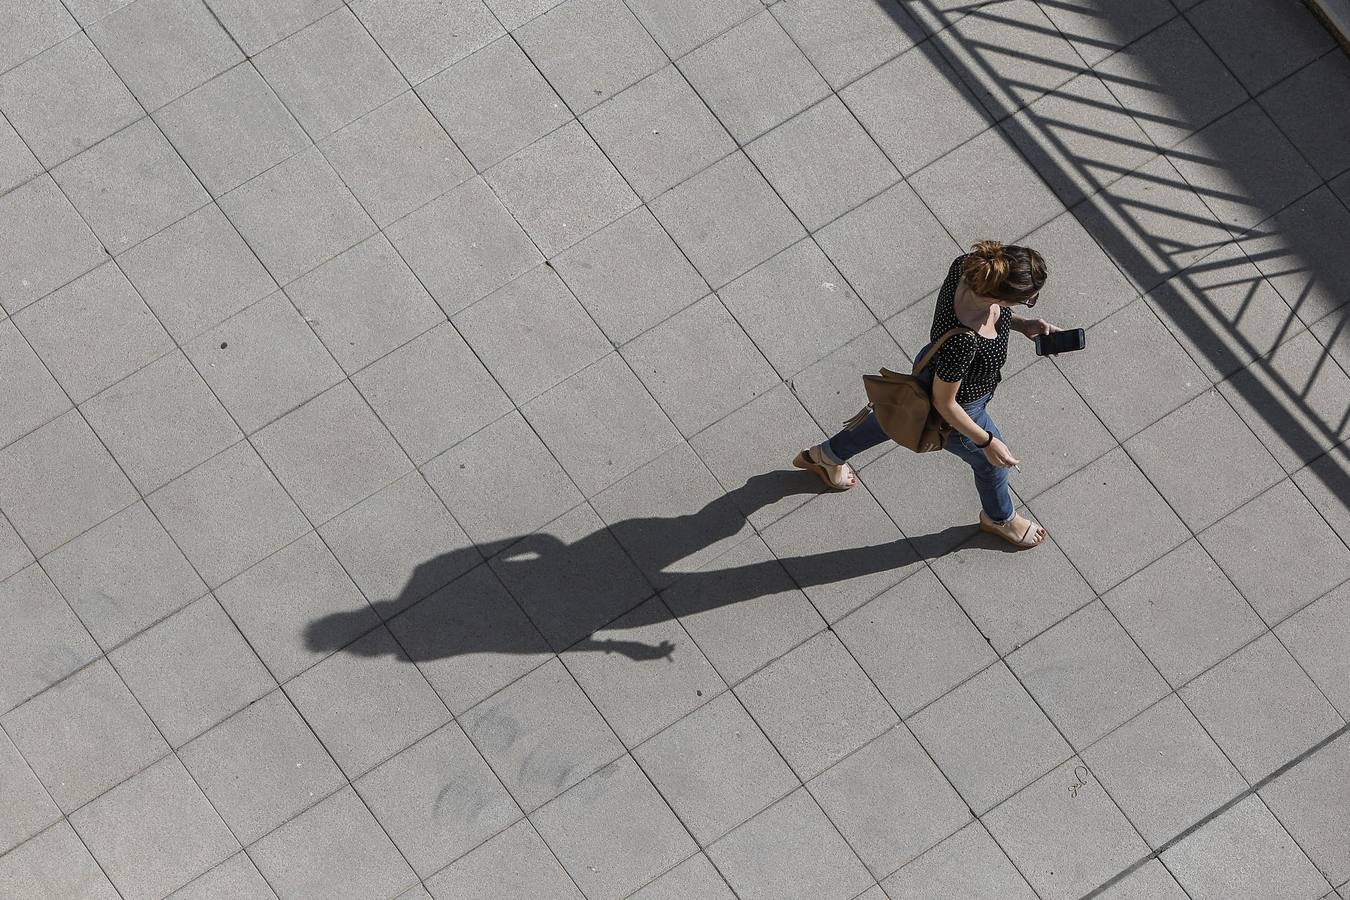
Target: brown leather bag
(904,406)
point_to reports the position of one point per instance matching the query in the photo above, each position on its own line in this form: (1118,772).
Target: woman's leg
(991,481)
(852,441)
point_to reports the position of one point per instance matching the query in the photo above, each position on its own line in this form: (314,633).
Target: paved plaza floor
(397,400)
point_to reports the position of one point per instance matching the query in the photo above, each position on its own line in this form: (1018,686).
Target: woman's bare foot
(836,478)
(1019,531)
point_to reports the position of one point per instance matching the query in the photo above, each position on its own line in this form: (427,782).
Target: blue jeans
(990,481)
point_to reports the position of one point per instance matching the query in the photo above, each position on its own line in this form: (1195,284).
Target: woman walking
(981,289)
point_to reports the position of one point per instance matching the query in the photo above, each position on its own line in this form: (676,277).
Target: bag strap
(937,345)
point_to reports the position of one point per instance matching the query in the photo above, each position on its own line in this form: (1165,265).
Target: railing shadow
(1174,255)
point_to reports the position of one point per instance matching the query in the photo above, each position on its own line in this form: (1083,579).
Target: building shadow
(568,590)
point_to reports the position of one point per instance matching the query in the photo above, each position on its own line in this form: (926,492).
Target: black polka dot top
(976,362)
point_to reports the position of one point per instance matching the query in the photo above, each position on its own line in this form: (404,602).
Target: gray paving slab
(437,799)
(336,849)
(17,162)
(1198,90)
(1304,107)
(532,334)
(154,832)
(164,48)
(424,39)
(695,876)
(630,276)
(753,77)
(517,861)
(1274,581)
(846,40)
(227,514)
(368,704)
(790,850)
(916,108)
(969,863)
(889,801)
(160,422)
(196,273)
(769,615)
(1261,708)
(49,242)
(590,50)
(261,767)
(816,704)
(1300,36)
(984,189)
(454,395)
(1077,137)
(396,158)
(297,215)
(827,388)
(671,516)
(191,670)
(1184,612)
(30,809)
(463,246)
(493,102)
(715,768)
(572,579)
(1245,852)
(561,188)
(989,738)
(680,29)
(84,736)
(735,372)
(33,27)
(401,529)
(13,554)
(58,482)
(1096,35)
(782,303)
(1065,833)
(1291,251)
(236,877)
(727,219)
(639,704)
(130,186)
(52,642)
(1150,881)
(93,332)
(1309,800)
(1313,636)
(915,643)
(1087,674)
(65,100)
(242,101)
(822,163)
(541,735)
(1164,771)
(35,398)
(55,862)
(613,832)
(364,303)
(331,453)
(276,602)
(502,482)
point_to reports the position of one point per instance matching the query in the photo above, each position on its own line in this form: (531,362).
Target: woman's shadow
(569,590)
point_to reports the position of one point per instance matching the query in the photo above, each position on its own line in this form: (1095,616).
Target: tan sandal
(836,478)
(1025,542)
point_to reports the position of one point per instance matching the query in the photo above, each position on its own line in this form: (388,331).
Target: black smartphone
(1060,342)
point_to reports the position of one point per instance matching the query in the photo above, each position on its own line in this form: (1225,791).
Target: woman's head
(1009,273)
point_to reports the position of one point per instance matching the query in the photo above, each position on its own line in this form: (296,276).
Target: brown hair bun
(1009,272)
(986,267)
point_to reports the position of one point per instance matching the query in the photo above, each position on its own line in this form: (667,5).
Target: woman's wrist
(988,439)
